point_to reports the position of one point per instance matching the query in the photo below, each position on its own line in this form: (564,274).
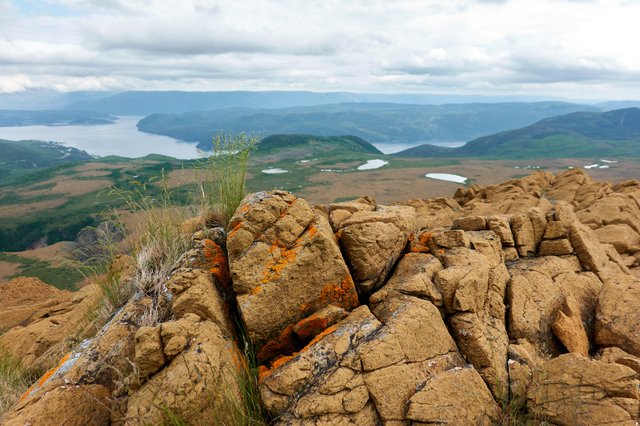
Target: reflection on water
(121,138)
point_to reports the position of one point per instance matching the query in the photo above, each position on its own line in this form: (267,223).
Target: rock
(559,247)
(618,314)
(448,239)
(285,265)
(413,277)
(457,396)
(314,324)
(569,330)
(63,404)
(113,346)
(536,292)
(555,229)
(50,328)
(200,385)
(149,353)
(473,285)
(28,299)
(470,223)
(373,241)
(624,238)
(618,356)
(574,390)
(363,370)
(523,234)
(434,213)
(175,334)
(502,228)
(591,253)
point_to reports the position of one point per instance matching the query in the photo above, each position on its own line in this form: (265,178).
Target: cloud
(556,48)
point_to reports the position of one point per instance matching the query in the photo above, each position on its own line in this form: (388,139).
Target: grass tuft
(225,171)
(14,380)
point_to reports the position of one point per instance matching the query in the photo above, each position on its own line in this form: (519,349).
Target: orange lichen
(263,372)
(281,257)
(285,343)
(256,290)
(281,361)
(46,376)
(311,326)
(422,244)
(316,339)
(306,307)
(217,262)
(235,229)
(343,295)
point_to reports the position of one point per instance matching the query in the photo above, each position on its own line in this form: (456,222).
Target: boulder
(365,369)
(200,385)
(61,403)
(457,396)
(618,314)
(285,264)
(536,292)
(574,390)
(373,241)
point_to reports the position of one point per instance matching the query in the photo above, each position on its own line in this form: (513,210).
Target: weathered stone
(618,314)
(64,404)
(591,253)
(149,353)
(555,229)
(569,330)
(502,228)
(536,292)
(373,241)
(285,265)
(555,247)
(448,239)
(573,390)
(195,386)
(414,277)
(470,223)
(307,328)
(457,396)
(622,236)
(523,234)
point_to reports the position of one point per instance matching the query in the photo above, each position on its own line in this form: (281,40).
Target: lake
(124,139)
(121,138)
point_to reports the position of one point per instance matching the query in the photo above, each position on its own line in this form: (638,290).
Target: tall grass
(14,380)
(153,246)
(225,171)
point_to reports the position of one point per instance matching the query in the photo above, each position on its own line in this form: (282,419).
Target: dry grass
(8,269)
(14,380)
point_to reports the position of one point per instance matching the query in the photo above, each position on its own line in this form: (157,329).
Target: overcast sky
(557,48)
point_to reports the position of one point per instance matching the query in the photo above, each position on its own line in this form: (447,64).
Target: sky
(578,49)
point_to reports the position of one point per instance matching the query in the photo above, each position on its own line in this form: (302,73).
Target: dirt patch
(69,187)
(52,254)
(8,269)
(27,209)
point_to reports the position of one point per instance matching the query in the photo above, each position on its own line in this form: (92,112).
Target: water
(121,138)
(124,139)
(392,148)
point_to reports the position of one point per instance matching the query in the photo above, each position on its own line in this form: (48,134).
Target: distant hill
(20,157)
(581,134)
(300,146)
(375,122)
(171,102)
(53,118)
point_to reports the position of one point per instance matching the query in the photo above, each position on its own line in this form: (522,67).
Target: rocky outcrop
(574,390)
(500,306)
(286,265)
